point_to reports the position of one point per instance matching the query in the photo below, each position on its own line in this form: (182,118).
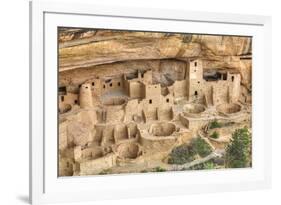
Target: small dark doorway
(62,90)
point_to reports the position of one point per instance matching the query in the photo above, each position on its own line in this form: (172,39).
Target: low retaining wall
(96,166)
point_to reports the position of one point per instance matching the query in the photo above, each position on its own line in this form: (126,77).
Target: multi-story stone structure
(110,121)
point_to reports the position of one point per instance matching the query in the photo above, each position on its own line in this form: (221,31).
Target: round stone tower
(85,96)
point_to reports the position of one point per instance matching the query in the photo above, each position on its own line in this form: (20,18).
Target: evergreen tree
(238,151)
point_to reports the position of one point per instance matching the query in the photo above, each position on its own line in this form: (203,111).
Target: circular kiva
(64,108)
(230,108)
(128,150)
(162,129)
(194,108)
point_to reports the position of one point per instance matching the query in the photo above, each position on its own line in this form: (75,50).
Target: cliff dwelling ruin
(127,100)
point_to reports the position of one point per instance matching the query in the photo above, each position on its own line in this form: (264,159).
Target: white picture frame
(46,187)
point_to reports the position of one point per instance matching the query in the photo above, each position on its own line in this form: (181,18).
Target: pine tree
(238,151)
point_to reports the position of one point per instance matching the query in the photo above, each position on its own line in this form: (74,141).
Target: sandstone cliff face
(92,52)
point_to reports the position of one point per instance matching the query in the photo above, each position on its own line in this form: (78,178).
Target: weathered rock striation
(121,51)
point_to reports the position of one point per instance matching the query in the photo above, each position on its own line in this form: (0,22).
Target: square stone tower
(194,80)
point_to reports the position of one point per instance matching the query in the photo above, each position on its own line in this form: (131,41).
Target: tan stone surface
(126,99)
(80,48)
(106,46)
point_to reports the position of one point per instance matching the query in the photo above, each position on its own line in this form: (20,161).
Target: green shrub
(104,172)
(215,124)
(181,155)
(201,147)
(186,152)
(239,149)
(205,165)
(215,135)
(208,165)
(159,169)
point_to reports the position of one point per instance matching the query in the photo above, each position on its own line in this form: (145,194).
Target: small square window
(150,101)
(75,101)
(195,64)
